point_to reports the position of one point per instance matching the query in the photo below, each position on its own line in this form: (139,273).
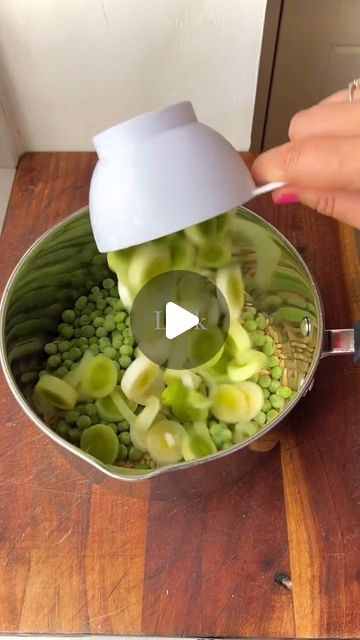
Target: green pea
(124,437)
(54,361)
(276,401)
(83,422)
(68,316)
(126,350)
(108,283)
(95,348)
(117,342)
(123,452)
(268,349)
(258,340)
(100,304)
(128,321)
(135,454)
(84,320)
(129,341)
(123,426)
(81,303)
(120,316)
(66,331)
(273,361)
(250,326)
(77,322)
(266,393)
(67,363)
(276,373)
(143,465)
(75,353)
(120,326)
(89,308)
(61,372)
(284,392)
(98,322)
(64,345)
(84,347)
(125,362)
(249,313)
(93,340)
(100,332)
(272,414)
(51,348)
(95,314)
(114,292)
(118,305)
(260,418)
(95,290)
(62,428)
(109,323)
(127,332)
(264,381)
(110,352)
(74,434)
(77,333)
(255,378)
(275,384)
(88,331)
(90,409)
(261,322)
(267,406)
(71,416)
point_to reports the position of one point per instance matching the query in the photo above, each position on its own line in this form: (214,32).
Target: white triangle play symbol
(178,320)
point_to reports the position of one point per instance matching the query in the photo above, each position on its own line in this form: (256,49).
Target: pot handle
(340,341)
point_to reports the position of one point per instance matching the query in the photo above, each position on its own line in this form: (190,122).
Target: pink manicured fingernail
(286,198)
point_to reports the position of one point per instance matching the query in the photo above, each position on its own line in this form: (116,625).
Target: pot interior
(65,264)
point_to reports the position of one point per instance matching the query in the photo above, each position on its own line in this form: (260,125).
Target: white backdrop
(71,68)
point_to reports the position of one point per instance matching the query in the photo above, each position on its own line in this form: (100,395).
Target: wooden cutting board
(77,559)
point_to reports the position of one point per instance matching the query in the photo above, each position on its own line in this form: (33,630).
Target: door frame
(270,38)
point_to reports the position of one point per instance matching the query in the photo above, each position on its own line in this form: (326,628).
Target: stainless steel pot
(31,308)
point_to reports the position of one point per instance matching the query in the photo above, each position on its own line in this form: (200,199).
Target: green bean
(25,349)
(29,376)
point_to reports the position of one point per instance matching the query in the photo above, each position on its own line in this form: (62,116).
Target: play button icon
(180,319)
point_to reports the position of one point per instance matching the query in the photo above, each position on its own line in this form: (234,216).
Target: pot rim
(142,475)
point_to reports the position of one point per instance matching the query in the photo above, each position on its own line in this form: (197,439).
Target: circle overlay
(194,293)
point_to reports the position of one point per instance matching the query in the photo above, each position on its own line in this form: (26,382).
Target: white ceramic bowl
(162,172)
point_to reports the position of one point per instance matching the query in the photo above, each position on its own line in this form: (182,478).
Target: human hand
(321,163)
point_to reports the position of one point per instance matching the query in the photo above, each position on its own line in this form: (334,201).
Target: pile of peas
(98,322)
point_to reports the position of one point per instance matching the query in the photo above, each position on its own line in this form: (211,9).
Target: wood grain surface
(77,559)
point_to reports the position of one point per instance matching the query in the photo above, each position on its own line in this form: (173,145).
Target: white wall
(71,68)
